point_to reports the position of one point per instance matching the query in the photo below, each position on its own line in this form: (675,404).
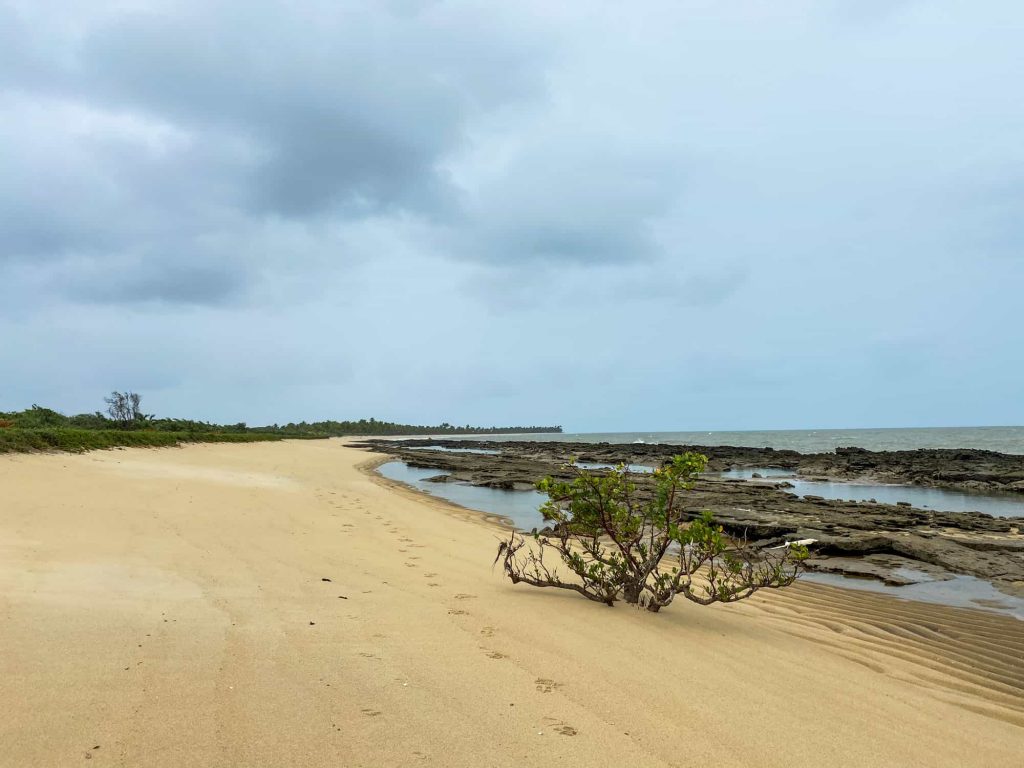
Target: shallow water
(1002,439)
(487,451)
(960,591)
(939,499)
(642,469)
(521,507)
(748,473)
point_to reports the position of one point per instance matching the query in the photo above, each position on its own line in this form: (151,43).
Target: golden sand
(274,604)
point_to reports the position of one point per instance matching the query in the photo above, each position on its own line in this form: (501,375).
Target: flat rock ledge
(896,544)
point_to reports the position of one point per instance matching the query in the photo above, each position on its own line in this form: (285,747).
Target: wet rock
(957,542)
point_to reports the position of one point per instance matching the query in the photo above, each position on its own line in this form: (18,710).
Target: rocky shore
(897,544)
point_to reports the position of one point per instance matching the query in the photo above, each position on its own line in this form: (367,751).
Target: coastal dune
(277,604)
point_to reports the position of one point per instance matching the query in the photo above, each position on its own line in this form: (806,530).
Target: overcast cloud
(654,215)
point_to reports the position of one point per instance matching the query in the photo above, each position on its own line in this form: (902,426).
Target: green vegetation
(124,424)
(374,427)
(642,546)
(15,440)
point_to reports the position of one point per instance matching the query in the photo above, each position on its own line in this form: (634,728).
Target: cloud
(461,211)
(166,282)
(350,107)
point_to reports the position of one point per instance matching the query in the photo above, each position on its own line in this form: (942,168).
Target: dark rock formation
(857,538)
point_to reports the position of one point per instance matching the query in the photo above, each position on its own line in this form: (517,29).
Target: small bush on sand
(641,547)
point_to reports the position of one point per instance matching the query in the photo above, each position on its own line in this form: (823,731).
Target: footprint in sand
(430,575)
(496,655)
(457,612)
(371,712)
(560,726)
(545,685)
(464,596)
(368,655)
(433,584)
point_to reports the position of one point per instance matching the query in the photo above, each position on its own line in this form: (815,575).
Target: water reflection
(518,506)
(642,469)
(746,473)
(487,451)
(938,499)
(961,591)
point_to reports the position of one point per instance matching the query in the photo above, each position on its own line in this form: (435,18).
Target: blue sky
(655,215)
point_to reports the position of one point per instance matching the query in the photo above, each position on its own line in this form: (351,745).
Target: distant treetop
(374,427)
(123,412)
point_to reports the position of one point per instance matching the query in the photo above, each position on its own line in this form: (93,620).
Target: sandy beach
(276,604)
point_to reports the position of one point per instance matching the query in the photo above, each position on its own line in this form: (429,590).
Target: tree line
(124,412)
(375,427)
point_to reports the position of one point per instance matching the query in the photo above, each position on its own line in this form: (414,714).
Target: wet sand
(274,604)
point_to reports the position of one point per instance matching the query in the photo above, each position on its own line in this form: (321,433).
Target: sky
(660,215)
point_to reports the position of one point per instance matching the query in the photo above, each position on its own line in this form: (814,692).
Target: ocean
(1001,439)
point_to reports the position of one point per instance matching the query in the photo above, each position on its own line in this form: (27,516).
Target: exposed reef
(895,543)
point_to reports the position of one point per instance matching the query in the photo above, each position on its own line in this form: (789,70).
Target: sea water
(937,499)
(1001,439)
(521,507)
